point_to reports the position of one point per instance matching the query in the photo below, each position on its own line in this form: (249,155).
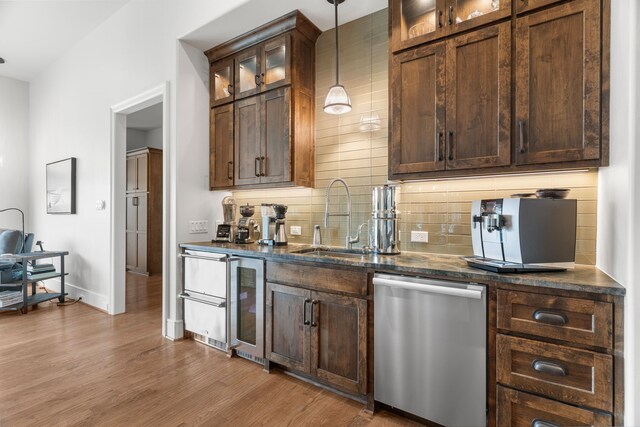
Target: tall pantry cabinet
(144,211)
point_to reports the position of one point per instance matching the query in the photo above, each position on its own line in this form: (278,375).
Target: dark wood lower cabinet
(318,334)
(519,409)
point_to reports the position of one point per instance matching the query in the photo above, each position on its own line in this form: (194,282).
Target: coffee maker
(247,226)
(225,232)
(273,225)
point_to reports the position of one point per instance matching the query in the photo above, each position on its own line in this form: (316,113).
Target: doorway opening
(139,198)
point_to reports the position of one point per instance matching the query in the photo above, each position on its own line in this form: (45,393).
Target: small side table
(23,285)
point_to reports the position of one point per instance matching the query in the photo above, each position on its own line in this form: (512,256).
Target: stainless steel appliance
(383,226)
(225,232)
(224,302)
(522,234)
(441,329)
(247,227)
(280,232)
(268,225)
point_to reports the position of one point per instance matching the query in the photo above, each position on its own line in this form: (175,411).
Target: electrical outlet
(295,230)
(420,236)
(197,227)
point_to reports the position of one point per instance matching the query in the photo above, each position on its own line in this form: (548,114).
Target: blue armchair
(11,243)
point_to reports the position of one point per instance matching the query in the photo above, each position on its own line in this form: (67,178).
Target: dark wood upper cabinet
(479,99)
(523,6)
(418,110)
(558,84)
(221,147)
(222,82)
(414,22)
(247,141)
(274,105)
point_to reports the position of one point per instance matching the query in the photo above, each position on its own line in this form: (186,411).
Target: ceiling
(257,12)
(146,119)
(34,33)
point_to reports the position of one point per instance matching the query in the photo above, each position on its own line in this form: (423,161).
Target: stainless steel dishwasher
(431,348)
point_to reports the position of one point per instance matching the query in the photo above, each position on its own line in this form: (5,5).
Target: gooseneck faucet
(348,239)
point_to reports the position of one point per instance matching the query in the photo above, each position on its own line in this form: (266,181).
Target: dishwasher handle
(206,258)
(475,292)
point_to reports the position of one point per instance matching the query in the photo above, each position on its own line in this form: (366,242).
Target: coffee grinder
(247,226)
(268,225)
(225,232)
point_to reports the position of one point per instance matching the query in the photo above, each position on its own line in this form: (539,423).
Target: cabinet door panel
(464,15)
(132,214)
(132,249)
(277,62)
(276,136)
(287,336)
(339,341)
(414,22)
(248,70)
(528,5)
(132,174)
(142,252)
(247,141)
(479,98)
(221,147)
(558,84)
(222,82)
(418,110)
(142,212)
(142,169)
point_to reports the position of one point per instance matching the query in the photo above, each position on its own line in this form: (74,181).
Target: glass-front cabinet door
(277,63)
(465,14)
(248,74)
(247,307)
(416,21)
(222,82)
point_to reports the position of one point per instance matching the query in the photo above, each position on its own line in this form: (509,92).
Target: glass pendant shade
(337,101)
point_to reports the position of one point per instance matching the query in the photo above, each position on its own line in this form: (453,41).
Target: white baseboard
(175,329)
(92,298)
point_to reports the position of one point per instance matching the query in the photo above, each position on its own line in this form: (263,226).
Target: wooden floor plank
(77,366)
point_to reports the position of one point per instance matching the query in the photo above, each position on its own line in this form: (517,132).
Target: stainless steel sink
(332,252)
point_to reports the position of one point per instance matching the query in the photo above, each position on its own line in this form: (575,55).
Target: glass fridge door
(247,308)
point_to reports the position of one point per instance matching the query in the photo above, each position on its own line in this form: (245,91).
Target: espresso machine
(273,225)
(247,226)
(225,232)
(383,226)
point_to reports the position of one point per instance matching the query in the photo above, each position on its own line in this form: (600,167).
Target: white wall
(618,239)
(14,164)
(153,138)
(133,51)
(137,138)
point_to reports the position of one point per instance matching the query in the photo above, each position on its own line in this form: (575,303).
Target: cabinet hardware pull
(257,80)
(304,312)
(542,423)
(440,18)
(230,170)
(521,129)
(313,321)
(262,78)
(230,89)
(263,167)
(449,145)
(256,169)
(438,144)
(450,19)
(549,368)
(135,201)
(550,318)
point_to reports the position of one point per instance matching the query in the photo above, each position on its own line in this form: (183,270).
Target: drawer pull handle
(542,423)
(550,318)
(304,311)
(549,368)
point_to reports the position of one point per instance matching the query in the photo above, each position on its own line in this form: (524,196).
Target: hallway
(76,365)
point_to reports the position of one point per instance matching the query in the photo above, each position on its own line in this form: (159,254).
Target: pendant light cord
(336,2)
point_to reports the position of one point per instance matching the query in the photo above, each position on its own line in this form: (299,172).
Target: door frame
(117,263)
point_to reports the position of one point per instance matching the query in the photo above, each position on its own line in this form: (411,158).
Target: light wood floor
(76,365)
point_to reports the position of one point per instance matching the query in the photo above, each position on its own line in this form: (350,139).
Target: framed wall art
(61,186)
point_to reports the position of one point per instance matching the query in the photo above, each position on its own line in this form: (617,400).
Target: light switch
(296,230)
(198,227)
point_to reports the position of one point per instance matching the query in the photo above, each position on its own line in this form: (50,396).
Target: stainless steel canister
(383,226)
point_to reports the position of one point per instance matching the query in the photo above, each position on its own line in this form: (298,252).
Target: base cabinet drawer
(572,320)
(205,319)
(574,376)
(519,409)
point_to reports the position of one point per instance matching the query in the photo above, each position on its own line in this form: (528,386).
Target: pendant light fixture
(337,101)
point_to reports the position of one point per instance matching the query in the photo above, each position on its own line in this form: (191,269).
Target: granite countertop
(584,278)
